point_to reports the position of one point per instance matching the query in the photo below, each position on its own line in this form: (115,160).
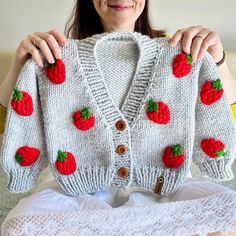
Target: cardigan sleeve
(23,151)
(215,132)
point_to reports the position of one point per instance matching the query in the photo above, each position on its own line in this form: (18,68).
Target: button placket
(122,153)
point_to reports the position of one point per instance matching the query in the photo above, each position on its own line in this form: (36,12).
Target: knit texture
(115,89)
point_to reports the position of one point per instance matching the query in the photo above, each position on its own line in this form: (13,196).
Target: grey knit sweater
(119,109)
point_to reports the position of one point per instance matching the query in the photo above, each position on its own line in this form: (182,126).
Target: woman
(109,16)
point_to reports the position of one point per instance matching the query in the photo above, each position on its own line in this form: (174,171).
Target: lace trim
(197,216)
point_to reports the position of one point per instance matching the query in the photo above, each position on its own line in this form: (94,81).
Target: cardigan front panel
(59,103)
(149,139)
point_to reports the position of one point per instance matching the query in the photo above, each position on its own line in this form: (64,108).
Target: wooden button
(123,172)
(121,149)
(120,125)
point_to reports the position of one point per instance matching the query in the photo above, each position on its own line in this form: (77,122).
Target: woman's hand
(197,46)
(48,42)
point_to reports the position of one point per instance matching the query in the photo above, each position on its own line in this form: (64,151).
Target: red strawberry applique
(22,102)
(158,112)
(173,156)
(65,163)
(211,92)
(56,72)
(26,156)
(182,65)
(214,148)
(84,120)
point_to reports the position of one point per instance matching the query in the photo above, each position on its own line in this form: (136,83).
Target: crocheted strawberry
(27,156)
(173,156)
(22,102)
(56,72)
(84,120)
(158,112)
(65,163)
(214,148)
(211,92)
(182,65)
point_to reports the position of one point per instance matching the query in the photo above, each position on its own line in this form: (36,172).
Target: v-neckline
(140,83)
(133,77)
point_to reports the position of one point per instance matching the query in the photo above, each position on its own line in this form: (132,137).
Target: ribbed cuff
(220,170)
(22,180)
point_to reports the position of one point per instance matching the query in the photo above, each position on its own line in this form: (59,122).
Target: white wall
(19,18)
(217,15)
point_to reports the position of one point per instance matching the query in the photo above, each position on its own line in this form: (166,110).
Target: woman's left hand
(197,46)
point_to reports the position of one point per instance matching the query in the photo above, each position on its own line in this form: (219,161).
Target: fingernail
(58,56)
(65,42)
(41,64)
(51,61)
(171,43)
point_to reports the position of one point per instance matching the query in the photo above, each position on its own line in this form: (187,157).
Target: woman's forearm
(229,82)
(7,85)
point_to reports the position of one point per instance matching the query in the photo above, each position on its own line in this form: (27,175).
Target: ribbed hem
(22,180)
(220,170)
(147,177)
(86,180)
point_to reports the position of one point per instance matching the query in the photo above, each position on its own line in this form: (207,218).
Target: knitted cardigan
(65,115)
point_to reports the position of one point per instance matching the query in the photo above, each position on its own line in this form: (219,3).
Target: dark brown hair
(85,22)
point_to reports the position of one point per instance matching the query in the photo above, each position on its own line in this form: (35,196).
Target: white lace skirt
(198,207)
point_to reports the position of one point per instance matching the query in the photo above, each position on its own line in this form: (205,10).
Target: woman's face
(119,15)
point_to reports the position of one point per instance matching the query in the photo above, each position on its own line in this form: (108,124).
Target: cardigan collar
(149,53)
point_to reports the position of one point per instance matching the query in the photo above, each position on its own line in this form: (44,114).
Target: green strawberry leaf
(152,106)
(61,156)
(19,158)
(86,113)
(222,153)
(190,59)
(217,84)
(177,150)
(52,66)
(17,95)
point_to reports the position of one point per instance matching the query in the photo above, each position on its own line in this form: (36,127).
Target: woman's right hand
(48,43)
